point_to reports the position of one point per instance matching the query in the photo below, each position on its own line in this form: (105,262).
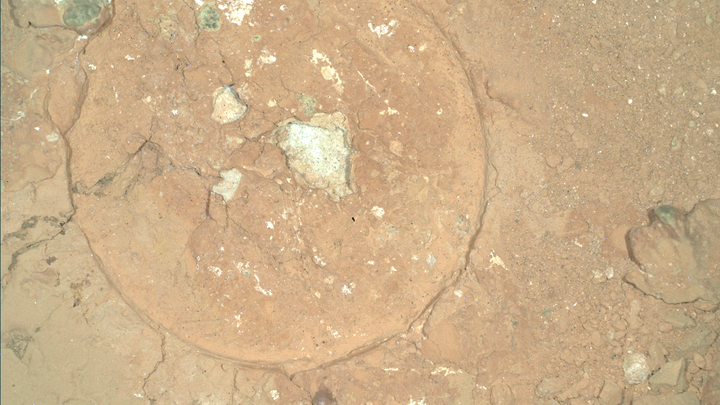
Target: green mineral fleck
(209,17)
(307,104)
(666,214)
(256,38)
(81,12)
(674,144)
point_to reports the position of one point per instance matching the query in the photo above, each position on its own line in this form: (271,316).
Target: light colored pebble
(636,368)
(655,194)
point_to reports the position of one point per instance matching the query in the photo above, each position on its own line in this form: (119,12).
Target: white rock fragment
(227,105)
(377,211)
(430,259)
(237,10)
(328,72)
(319,152)
(227,187)
(383,29)
(266,58)
(636,368)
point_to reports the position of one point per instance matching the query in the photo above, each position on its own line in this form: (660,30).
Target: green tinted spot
(307,104)
(81,12)
(209,17)
(256,38)
(666,214)
(674,144)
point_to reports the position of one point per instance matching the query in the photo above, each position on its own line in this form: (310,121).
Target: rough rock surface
(679,254)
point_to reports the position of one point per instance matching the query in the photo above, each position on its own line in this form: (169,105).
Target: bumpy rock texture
(679,254)
(83,16)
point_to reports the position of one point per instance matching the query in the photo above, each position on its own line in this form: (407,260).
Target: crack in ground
(155,369)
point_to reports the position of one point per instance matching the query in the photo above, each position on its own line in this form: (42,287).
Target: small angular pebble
(679,321)
(670,375)
(611,394)
(619,324)
(699,360)
(323,396)
(635,322)
(227,106)
(656,356)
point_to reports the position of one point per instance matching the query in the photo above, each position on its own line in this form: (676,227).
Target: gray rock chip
(697,341)
(670,375)
(678,320)
(323,396)
(679,255)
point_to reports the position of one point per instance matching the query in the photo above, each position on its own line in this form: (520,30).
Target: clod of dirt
(679,254)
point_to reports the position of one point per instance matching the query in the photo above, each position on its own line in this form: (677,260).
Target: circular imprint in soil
(287,189)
